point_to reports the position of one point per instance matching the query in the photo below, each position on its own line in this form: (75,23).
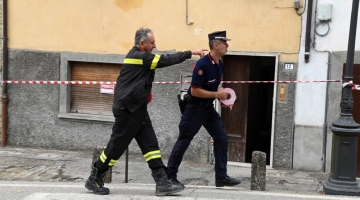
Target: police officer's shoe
(95,182)
(163,185)
(174,181)
(227,181)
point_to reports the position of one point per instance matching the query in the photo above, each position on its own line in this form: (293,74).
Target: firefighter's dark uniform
(207,74)
(132,93)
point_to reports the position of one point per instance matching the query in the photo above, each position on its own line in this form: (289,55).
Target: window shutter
(87,99)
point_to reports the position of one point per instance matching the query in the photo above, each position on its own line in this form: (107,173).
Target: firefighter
(199,111)
(132,94)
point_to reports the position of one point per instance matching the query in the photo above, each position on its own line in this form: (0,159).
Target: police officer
(199,111)
(132,94)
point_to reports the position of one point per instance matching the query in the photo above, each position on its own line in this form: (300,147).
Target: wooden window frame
(65,90)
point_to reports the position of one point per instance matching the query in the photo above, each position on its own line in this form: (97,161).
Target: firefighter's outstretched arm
(165,60)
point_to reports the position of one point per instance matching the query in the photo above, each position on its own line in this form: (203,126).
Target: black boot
(226,181)
(163,185)
(174,181)
(95,182)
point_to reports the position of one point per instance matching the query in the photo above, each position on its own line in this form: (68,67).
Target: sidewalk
(27,164)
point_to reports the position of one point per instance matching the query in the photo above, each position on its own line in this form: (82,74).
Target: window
(84,101)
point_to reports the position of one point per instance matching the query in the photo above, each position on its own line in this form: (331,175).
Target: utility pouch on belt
(182,102)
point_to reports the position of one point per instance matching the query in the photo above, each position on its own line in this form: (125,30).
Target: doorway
(249,123)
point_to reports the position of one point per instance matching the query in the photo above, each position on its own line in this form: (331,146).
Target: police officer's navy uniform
(207,75)
(200,112)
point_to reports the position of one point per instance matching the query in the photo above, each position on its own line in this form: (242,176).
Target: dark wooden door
(356,110)
(236,69)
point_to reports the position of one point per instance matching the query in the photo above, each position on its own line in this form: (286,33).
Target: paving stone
(7,153)
(195,181)
(46,156)
(27,173)
(11,169)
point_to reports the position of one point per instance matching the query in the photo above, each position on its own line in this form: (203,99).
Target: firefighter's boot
(95,182)
(163,185)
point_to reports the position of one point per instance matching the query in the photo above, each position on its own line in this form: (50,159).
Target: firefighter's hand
(220,94)
(199,52)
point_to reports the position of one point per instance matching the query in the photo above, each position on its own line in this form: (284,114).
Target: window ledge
(87,117)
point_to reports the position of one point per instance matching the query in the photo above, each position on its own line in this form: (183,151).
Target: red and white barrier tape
(347,83)
(356,87)
(164,82)
(291,81)
(58,82)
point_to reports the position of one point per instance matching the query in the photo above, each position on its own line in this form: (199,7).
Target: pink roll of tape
(231,97)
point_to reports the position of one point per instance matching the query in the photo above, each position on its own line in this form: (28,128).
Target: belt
(193,101)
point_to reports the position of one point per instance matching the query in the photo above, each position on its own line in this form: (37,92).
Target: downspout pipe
(4,97)
(326,113)
(308,31)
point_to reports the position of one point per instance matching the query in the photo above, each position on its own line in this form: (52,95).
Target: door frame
(263,54)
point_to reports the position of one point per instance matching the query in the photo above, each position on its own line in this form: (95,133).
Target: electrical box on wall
(324,12)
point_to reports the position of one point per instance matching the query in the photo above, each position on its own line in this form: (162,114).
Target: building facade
(86,40)
(318,104)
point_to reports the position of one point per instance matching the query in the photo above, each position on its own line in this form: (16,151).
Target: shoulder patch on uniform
(200,72)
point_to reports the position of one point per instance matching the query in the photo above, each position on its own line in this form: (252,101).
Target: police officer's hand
(224,106)
(199,52)
(221,94)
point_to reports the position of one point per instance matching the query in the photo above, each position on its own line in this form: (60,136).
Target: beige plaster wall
(108,26)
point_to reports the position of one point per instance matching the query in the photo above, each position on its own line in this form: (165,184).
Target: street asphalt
(29,174)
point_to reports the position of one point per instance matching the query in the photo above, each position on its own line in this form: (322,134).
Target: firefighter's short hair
(142,35)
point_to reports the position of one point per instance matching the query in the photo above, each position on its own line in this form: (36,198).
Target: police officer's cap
(218,35)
